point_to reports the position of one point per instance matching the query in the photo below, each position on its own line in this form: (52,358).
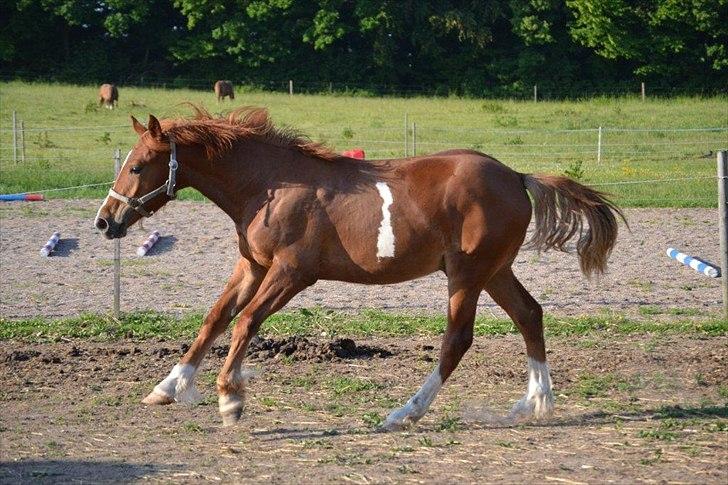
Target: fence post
(723,223)
(414,139)
(290,87)
(599,146)
(117,248)
(15,136)
(22,141)
(535,93)
(643,91)
(406,127)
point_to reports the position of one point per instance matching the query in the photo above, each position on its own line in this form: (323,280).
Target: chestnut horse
(303,213)
(222,89)
(108,95)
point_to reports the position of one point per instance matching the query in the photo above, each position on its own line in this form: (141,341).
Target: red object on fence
(354,153)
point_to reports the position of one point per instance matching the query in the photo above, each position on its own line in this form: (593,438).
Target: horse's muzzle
(110,228)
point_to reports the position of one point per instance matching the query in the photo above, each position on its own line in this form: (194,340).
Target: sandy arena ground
(190,264)
(629,408)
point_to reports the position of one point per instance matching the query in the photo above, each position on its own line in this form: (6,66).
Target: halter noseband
(137,203)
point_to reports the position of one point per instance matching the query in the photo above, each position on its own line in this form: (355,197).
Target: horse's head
(145,182)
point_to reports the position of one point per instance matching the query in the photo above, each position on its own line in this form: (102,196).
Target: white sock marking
(229,402)
(418,404)
(180,384)
(539,399)
(385,239)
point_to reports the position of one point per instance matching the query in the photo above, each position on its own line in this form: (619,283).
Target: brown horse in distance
(224,88)
(303,213)
(108,95)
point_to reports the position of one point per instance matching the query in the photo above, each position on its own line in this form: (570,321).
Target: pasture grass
(69,140)
(320,322)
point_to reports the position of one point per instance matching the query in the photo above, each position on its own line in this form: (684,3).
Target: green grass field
(69,140)
(367,323)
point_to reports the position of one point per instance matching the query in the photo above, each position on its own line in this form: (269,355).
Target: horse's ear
(155,128)
(138,127)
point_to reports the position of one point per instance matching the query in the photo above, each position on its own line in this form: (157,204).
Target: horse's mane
(218,134)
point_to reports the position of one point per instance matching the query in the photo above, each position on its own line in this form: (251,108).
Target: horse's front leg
(280,284)
(239,290)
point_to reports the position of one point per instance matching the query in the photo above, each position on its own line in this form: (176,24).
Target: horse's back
(477,199)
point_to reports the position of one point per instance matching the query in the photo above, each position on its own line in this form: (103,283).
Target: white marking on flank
(539,399)
(418,404)
(385,239)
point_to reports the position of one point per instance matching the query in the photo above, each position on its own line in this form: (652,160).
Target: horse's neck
(240,182)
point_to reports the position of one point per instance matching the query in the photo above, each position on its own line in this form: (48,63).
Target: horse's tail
(562,206)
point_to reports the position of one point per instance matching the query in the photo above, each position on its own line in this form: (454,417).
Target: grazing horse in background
(224,88)
(303,213)
(108,95)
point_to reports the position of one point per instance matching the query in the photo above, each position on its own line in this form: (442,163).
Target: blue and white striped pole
(696,264)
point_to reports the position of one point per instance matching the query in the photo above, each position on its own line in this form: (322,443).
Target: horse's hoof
(393,426)
(231,418)
(157,398)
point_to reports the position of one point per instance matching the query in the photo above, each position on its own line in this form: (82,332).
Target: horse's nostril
(101,224)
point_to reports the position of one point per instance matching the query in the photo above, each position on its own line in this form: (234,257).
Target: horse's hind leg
(527,314)
(179,384)
(457,340)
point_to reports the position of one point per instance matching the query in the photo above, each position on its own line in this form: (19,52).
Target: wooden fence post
(723,223)
(15,136)
(643,91)
(414,139)
(290,87)
(599,146)
(22,141)
(535,93)
(117,248)
(406,127)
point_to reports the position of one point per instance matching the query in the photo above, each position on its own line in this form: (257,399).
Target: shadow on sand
(163,245)
(65,247)
(66,471)
(470,420)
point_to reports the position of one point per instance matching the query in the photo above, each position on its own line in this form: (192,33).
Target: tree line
(467,47)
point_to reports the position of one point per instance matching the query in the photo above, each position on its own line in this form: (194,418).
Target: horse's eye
(136,169)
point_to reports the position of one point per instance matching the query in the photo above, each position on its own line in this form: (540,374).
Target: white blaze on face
(98,213)
(385,239)
(126,159)
(103,204)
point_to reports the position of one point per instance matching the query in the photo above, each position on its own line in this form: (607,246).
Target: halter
(137,203)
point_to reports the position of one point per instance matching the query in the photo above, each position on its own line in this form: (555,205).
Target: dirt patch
(629,409)
(192,262)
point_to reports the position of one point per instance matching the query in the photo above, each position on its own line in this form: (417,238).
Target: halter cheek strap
(168,187)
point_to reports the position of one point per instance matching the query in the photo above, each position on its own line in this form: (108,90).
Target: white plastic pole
(51,244)
(151,241)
